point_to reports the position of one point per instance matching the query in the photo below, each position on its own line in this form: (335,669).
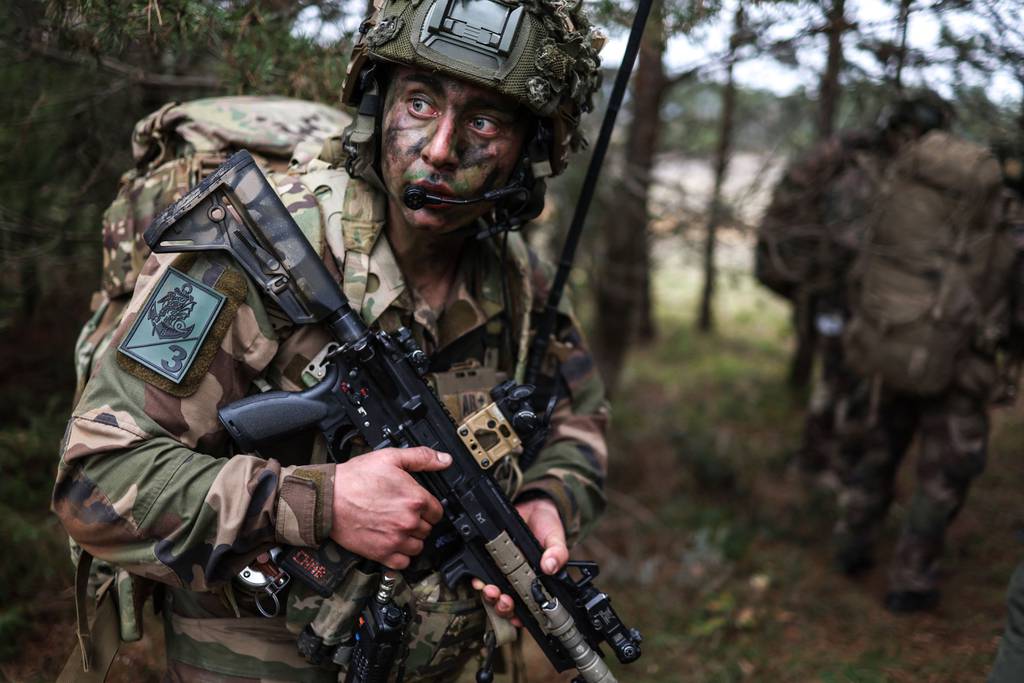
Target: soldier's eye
(420,107)
(483,125)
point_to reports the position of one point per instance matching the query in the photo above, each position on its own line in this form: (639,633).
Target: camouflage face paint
(453,138)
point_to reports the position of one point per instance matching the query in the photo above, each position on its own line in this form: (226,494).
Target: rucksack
(934,267)
(174,148)
(816,215)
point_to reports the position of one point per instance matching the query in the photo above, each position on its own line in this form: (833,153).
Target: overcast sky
(878,17)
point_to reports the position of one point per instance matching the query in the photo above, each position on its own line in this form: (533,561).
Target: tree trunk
(646,330)
(622,290)
(901,56)
(828,95)
(705,321)
(1020,114)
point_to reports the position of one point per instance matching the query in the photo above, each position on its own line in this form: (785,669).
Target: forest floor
(710,545)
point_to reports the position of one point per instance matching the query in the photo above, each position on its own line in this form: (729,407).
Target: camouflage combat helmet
(541,53)
(925,110)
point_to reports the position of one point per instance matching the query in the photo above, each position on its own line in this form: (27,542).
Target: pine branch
(681,77)
(134,74)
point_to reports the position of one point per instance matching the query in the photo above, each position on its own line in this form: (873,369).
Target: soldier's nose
(440,152)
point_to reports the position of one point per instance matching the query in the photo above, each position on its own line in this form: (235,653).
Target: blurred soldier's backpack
(817,216)
(933,272)
(174,148)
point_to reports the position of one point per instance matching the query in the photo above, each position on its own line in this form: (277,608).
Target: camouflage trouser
(819,451)
(952,429)
(1009,665)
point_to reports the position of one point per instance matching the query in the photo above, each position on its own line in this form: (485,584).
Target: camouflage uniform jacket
(145,478)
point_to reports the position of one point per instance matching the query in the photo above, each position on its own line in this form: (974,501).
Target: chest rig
(345,217)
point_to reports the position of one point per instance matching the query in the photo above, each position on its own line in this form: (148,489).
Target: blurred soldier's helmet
(1010,152)
(920,111)
(541,53)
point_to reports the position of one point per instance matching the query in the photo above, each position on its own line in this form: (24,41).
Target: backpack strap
(362,221)
(328,187)
(99,640)
(521,294)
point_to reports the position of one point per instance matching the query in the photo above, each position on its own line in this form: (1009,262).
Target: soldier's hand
(380,511)
(541,515)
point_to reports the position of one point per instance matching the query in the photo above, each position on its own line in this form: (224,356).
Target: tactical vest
(353,214)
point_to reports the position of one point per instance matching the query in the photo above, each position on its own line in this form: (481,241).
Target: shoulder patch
(172,325)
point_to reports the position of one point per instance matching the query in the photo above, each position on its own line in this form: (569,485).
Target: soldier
(929,319)
(1009,664)
(808,239)
(455,98)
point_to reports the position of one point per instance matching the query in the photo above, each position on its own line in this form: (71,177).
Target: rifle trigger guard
(340,448)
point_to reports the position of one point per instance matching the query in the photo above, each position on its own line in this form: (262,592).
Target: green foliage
(29,443)
(867,670)
(245,46)
(679,16)
(115,26)
(43,556)
(28,459)
(770,123)
(13,626)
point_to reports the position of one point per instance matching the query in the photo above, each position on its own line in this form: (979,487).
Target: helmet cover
(542,54)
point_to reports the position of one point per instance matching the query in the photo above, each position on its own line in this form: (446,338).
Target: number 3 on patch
(177,359)
(172,325)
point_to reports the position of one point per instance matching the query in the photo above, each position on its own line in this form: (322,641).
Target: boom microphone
(415,197)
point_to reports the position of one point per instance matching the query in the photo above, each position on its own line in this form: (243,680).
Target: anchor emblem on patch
(172,325)
(171,313)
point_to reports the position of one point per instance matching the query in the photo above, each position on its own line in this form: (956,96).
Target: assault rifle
(373,387)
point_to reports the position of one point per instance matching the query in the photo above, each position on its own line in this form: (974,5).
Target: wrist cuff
(305,505)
